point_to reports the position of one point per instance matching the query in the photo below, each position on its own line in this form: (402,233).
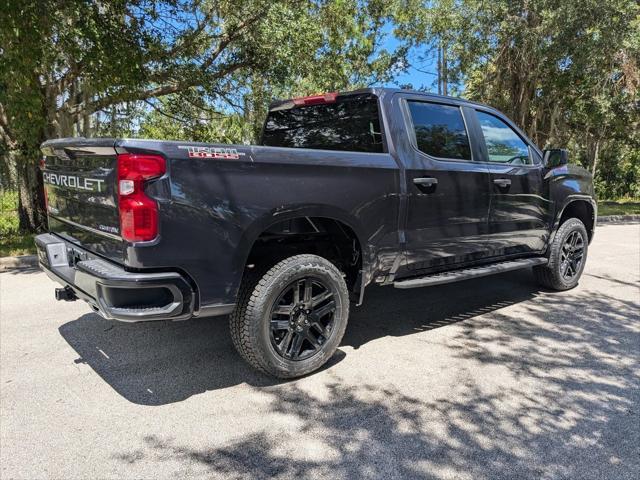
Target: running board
(468,273)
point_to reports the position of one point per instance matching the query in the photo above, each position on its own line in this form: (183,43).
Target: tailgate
(79,178)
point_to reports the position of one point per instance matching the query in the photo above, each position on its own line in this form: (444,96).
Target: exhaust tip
(65,294)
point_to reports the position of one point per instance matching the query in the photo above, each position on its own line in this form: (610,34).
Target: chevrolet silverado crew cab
(400,188)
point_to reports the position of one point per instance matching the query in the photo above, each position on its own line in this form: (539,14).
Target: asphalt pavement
(489,378)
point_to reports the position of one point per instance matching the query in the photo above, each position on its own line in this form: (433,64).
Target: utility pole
(439,69)
(444,69)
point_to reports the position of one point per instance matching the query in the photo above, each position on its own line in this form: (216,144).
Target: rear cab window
(440,130)
(351,123)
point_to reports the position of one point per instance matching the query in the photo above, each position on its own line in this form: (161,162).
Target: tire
(285,335)
(555,274)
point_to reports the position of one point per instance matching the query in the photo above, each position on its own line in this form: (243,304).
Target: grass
(17,244)
(619,207)
(12,241)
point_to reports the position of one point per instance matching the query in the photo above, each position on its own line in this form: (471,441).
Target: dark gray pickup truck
(395,187)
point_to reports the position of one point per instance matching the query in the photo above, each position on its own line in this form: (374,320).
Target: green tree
(76,68)
(339,47)
(565,71)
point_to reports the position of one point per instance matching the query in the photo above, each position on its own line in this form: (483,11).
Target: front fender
(568,184)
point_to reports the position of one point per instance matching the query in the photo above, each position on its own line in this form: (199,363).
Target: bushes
(12,241)
(618,175)
(8,213)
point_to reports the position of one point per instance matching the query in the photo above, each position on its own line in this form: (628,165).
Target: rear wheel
(567,257)
(290,320)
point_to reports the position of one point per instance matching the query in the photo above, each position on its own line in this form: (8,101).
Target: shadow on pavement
(164,362)
(570,409)
(391,312)
(22,270)
(160,362)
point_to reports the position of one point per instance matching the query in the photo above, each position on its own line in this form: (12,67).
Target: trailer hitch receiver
(67,294)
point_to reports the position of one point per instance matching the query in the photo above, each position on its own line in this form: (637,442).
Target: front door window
(504,145)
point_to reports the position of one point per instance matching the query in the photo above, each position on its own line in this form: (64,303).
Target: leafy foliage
(568,72)
(86,67)
(8,219)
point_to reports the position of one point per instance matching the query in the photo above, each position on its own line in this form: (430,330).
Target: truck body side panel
(219,206)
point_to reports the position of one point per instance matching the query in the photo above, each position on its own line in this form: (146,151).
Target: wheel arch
(278,216)
(583,208)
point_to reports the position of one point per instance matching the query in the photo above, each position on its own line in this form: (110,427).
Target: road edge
(619,219)
(18,263)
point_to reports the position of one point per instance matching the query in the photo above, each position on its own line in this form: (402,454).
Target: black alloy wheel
(302,319)
(567,257)
(572,255)
(290,319)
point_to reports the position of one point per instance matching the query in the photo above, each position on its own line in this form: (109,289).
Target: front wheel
(567,257)
(290,320)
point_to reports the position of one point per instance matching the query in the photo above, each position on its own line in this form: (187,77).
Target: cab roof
(377,91)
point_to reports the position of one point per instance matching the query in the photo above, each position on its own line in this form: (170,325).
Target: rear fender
(291,212)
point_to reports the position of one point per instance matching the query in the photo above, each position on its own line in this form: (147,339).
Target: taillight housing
(138,212)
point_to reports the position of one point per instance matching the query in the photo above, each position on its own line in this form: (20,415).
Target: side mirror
(555,157)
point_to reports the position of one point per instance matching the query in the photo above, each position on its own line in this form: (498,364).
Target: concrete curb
(619,219)
(23,261)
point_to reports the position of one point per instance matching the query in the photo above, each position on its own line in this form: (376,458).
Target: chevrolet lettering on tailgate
(72,181)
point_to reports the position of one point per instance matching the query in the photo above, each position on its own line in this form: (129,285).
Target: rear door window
(440,130)
(350,124)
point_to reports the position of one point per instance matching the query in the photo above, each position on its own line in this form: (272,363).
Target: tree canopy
(566,71)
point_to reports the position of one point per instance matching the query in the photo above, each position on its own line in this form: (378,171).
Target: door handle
(425,181)
(502,182)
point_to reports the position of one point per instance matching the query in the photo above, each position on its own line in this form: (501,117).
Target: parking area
(489,378)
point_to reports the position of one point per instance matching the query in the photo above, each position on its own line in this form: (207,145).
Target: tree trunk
(86,118)
(596,153)
(26,178)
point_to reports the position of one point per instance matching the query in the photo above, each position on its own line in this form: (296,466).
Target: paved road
(491,378)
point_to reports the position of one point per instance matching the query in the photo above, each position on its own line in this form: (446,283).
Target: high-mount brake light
(138,212)
(316,99)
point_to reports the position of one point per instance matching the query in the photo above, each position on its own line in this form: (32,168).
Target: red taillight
(316,99)
(138,212)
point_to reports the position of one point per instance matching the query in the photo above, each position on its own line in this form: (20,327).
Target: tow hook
(67,294)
